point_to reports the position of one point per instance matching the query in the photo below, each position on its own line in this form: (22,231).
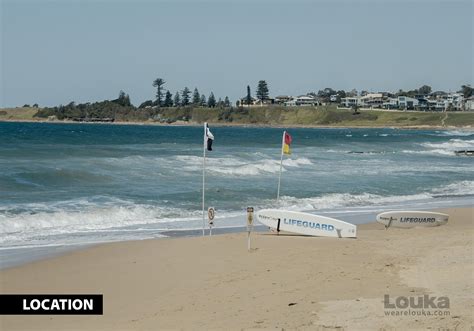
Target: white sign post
(249,225)
(211,213)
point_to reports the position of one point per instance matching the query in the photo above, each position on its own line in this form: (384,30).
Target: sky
(55,52)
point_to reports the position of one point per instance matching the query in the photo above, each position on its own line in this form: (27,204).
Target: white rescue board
(306,224)
(411,219)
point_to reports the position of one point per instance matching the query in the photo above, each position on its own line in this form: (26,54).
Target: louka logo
(51,304)
(416,306)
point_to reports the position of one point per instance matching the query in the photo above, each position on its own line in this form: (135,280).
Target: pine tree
(262,91)
(177,100)
(158,83)
(203,101)
(185,96)
(168,99)
(211,101)
(248,98)
(196,97)
(226,102)
(123,99)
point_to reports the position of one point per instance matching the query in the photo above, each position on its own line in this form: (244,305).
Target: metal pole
(204,180)
(281,164)
(248,241)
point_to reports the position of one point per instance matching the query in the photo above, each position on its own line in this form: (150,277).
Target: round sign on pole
(249,225)
(211,213)
(249,216)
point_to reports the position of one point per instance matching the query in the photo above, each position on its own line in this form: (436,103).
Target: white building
(350,102)
(302,100)
(454,101)
(372,100)
(469,104)
(401,102)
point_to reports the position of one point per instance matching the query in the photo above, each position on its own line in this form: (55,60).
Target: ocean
(75,184)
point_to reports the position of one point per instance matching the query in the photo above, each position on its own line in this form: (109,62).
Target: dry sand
(285,282)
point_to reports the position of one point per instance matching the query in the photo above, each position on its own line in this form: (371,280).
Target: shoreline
(11,257)
(285,281)
(246,125)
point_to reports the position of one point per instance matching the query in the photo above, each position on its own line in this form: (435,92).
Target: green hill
(268,115)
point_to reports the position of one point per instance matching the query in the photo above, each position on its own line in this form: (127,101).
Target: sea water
(67,184)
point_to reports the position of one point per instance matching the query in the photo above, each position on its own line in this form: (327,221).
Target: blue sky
(54,52)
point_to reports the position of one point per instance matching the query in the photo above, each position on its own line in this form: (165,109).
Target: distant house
(469,104)
(407,102)
(254,101)
(436,105)
(281,99)
(267,101)
(333,98)
(455,101)
(350,102)
(302,100)
(372,100)
(401,102)
(391,103)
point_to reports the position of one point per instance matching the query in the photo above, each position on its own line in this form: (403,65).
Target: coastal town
(435,101)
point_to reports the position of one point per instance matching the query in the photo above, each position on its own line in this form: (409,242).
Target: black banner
(51,304)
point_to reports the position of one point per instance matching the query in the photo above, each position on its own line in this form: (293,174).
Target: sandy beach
(285,282)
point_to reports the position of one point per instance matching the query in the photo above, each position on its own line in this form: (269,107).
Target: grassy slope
(330,116)
(322,116)
(19,114)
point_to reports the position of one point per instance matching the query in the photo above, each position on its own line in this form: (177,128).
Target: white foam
(337,200)
(462,188)
(435,151)
(82,219)
(77,216)
(458,133)
(240,167)
(451,145)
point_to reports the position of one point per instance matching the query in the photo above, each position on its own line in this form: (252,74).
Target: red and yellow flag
(286,143)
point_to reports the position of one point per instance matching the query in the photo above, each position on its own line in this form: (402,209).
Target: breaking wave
(456,133)
(240,167)
(338,200)
(452,144)
(37,223)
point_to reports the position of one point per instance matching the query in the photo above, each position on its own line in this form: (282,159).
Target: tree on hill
(466,91)
(262,91)
(158,83)
(352,93)
(425,90)
(123,99)
(401,93)
(248,98)
(148,103)
(226,102)
(168,99)
(185,96)
(203,101)
(340,94)
(211,101)
(177,100)
(196,97)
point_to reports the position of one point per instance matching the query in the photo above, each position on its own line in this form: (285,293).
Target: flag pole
(204,179)
(281,164)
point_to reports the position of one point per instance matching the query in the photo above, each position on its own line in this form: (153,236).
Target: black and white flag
(209,138)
